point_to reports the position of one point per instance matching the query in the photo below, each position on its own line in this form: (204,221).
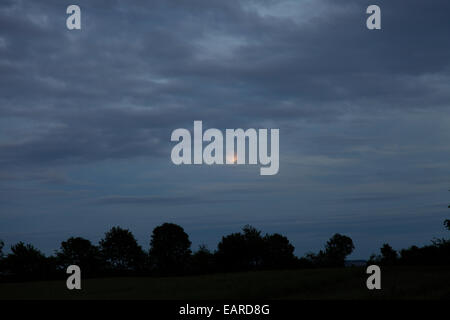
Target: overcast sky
(86,118)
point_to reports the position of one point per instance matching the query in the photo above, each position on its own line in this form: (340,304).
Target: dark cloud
(135,72)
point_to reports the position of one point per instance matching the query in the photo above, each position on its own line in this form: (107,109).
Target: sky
(86,118)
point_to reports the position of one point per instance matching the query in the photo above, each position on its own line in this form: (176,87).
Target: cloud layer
(86,116)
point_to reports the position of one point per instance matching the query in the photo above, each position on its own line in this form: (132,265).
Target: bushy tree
(278,251)
(2,244)
(170,249)
(250,250)
(202,261)
(232,253)
(337,249)
(334,254)
(436,254)
(26,262)
(241,251)
(388,255)
(81,252)
(121,251)
(254,245)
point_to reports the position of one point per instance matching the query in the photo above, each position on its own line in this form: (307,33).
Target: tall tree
(121,250)
(232,253)
(337,249)
(255,246)
(241,251)
(278,251)
(202,261)
(170,249)
(81,252)
(388,255)
(26,261)
(447,222)
(2,244)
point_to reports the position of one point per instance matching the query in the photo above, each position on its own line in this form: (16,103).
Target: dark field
(348,283)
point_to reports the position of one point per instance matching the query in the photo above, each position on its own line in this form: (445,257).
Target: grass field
(348,283)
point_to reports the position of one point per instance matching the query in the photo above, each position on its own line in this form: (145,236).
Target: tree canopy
(337,249)
(2,244)
(250,250)
(26,261)
(121,250)
(81,252)
(169,249)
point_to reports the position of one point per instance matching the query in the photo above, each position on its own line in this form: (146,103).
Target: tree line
(437,253)
(119,253)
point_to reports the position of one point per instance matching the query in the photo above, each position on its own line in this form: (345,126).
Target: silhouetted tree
(2,244)
(250,250)
(388,255)
(278,252)
(121,251)
(202,261)
(254,245)
(241,251)
(410,256)
(80,252)
(26,262)
(232,253)
(170,249)
(436,254)
(334,254)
